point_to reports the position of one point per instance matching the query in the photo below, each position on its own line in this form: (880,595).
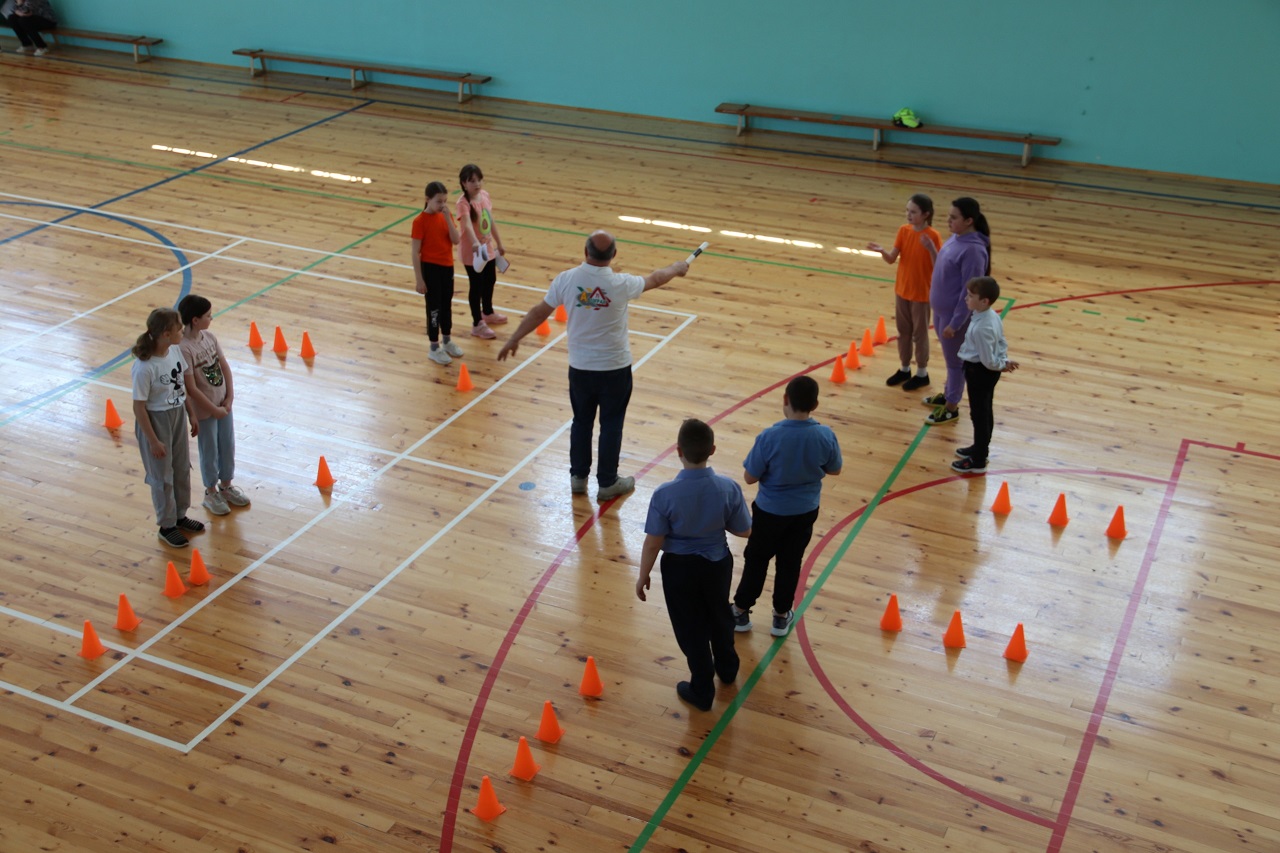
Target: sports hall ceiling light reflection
(665,223)
(848,251)
(262,164)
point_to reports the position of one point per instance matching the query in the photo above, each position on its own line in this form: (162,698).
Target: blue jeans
(608,391)
(217,444)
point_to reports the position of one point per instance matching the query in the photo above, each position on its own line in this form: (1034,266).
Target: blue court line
(15,410)
(1053,182)
(193,171)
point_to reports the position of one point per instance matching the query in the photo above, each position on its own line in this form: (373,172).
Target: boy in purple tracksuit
(965,255)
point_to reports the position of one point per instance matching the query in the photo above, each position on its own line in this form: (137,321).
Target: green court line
(723,723)
(84,155)
(1004,312)
(1136,319)
(1094,313)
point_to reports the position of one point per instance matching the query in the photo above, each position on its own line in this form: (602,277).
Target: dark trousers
(27,28)
(439,298)
(480,292)
(781,538)
(981,385)
(697,594)
(609,392)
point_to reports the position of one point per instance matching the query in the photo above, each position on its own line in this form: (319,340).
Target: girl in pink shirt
(479,233)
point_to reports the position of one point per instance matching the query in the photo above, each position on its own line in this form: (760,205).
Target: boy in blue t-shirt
(687,521)
(789,460)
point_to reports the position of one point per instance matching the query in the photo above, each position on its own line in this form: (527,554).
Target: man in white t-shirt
(596,298)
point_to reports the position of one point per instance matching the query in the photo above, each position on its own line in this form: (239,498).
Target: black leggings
(27,28)
(439,298)
(480,293)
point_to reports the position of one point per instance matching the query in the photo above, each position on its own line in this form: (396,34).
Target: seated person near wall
(28,18)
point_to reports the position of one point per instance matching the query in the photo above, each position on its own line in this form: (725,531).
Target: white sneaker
(620,486)
(41,51)
(215,504)
(453,349)
(234,495)
(439,356)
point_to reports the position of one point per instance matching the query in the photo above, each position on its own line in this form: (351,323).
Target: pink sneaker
(482,331)
(494,319)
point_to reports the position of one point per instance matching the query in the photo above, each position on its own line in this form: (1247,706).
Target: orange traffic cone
(279,347)
(1002,505)
(892,618)
(91,647)
(113,419)
(549,731)
(954,638)
(324,479)
(255,337)
(837,371)
(591,684)
(488,808)
(199,575)
(524,767)
(1117,530)
(1058,518)
(173,585)
(851,360)
(307,351)
(881,336)
(544,328)
(1017,648)
(867,348)
(464,379)
(126,619)
(561,315)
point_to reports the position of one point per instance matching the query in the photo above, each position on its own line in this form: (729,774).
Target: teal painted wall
(1177,86)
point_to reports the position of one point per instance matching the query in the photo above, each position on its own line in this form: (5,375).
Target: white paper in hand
(481,257)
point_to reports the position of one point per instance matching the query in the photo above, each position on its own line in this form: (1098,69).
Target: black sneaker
(741,619)
(917,381)
(685,691)
(969,465)
(942,415)
(173,537)
(898,378)
(191,524)
(935,400)
(782,624)
(728,674)
(964,452)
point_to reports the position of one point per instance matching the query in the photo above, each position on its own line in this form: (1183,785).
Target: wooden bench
(466,82)
(880,126)
(144,42)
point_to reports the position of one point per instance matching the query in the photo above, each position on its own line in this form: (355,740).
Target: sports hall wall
(1177,86)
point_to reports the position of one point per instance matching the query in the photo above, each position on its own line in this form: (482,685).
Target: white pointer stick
(696,252)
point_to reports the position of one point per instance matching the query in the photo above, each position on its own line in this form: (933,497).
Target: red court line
(862,723)
(1101,294)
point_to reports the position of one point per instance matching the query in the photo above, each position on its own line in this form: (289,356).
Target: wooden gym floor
(363,657)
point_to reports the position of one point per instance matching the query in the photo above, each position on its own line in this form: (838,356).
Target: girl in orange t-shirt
(917,246)
(434,236)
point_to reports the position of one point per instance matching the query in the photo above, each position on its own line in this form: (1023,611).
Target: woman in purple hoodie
(965,255)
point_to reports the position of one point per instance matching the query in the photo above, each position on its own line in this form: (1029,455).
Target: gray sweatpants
(170,477)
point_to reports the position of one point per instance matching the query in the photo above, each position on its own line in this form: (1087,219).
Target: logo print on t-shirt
(596,299)
(486,223)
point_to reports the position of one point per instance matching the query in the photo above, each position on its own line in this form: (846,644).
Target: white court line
(174,665)
(94,717)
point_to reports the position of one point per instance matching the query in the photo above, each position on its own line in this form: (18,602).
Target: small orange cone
(881,336)
(549,731)
(851,360)
(91,647)
(867,348)
(126,619)
(954,638)
(837,371)
(113,419)
(1002,505)
(892,618)
(1058,518)
(524,767)
(279,347)
(464,379)
(1117,530)
(255,337)
(324,479)
(199,575)
(1017,648)
(561,315)
(173,585)
(544,328)
(307,351)
(488,808)
(591,684)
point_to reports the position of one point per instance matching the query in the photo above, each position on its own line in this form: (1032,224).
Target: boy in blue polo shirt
(687,521)
(789,460)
